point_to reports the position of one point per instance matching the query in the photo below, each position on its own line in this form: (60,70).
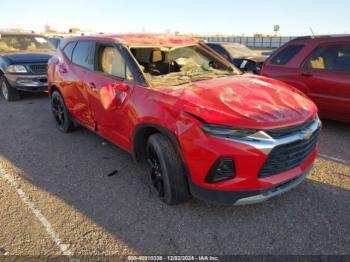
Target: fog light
(223,169)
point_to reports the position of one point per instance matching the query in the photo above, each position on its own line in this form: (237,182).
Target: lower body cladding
(246,197)
(230,171)
(29,83)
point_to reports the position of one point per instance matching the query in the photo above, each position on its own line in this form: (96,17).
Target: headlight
(16,69)
(228,132)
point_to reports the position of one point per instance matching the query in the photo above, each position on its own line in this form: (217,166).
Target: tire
(60,113)
(166,171)
(8,92)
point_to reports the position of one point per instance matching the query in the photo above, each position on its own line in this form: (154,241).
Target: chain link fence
(253,42)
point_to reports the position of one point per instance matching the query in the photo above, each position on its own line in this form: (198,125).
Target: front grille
(283,132)
(38,68)
(288,156)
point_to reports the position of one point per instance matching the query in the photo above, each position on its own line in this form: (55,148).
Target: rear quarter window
(83,54)
(68,50)
(287,54)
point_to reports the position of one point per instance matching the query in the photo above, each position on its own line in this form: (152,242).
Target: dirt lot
(56,198)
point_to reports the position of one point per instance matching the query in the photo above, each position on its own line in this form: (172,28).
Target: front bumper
(31,83)
(248,184)
(246,197)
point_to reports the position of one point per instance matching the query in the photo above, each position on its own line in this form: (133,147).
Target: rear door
(326,72)
(73,84)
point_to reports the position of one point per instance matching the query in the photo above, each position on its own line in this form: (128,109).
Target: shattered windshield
(180,65)
(24,43)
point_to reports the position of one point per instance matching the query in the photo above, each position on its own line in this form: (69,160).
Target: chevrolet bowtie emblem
(306,134)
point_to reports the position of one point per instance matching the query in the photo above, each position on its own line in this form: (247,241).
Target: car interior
(155,61)
(330,58)
(112,63)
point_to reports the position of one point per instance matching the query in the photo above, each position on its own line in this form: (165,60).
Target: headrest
(317,63)
(106,61)
(156,56)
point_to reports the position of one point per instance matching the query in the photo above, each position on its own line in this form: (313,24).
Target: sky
(295,18)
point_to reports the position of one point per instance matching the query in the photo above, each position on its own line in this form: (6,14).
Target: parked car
(23,63)
(200,126)
(241,56)
(319,67)
(267,53)
(55,40)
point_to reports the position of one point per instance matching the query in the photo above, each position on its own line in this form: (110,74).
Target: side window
(83,54)
(287,54)
(68,50)
(331,58)
(111,62)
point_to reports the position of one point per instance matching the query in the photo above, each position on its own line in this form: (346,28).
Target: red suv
(319,67)
(200,126)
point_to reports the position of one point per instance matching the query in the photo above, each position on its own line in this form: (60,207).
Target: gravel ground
(66,178)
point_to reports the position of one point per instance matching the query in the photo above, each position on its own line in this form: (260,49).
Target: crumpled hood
(244,101)
(28,57)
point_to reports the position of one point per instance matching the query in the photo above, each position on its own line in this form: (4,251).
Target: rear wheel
(166,171)
(60,113)
(8,92)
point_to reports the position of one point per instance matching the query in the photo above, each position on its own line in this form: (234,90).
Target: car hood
(18,58)
(244,101)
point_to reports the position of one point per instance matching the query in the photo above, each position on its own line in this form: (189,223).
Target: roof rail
(320,36)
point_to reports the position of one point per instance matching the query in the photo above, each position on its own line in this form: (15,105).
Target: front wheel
(166,171)
(8,92)
(60,113)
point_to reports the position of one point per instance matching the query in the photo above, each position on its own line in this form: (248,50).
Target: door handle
(304,74)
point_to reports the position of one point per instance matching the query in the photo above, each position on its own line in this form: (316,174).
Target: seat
(112,63)
(158,66)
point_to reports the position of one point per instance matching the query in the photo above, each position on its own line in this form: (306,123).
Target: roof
(142,39)
(322,37)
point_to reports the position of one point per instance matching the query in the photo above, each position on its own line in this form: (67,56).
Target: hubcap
(58,111)
(4,90)
(157,178)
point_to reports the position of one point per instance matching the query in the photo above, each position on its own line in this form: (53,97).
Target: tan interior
(106,60)
(112,62)
(157,56)
(317,63)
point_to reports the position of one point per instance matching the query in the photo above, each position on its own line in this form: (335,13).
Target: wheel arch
(54,88)
(140,138)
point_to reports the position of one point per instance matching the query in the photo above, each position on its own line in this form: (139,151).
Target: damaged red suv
(201,127)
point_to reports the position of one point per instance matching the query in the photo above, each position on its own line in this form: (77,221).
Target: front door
(107,99)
